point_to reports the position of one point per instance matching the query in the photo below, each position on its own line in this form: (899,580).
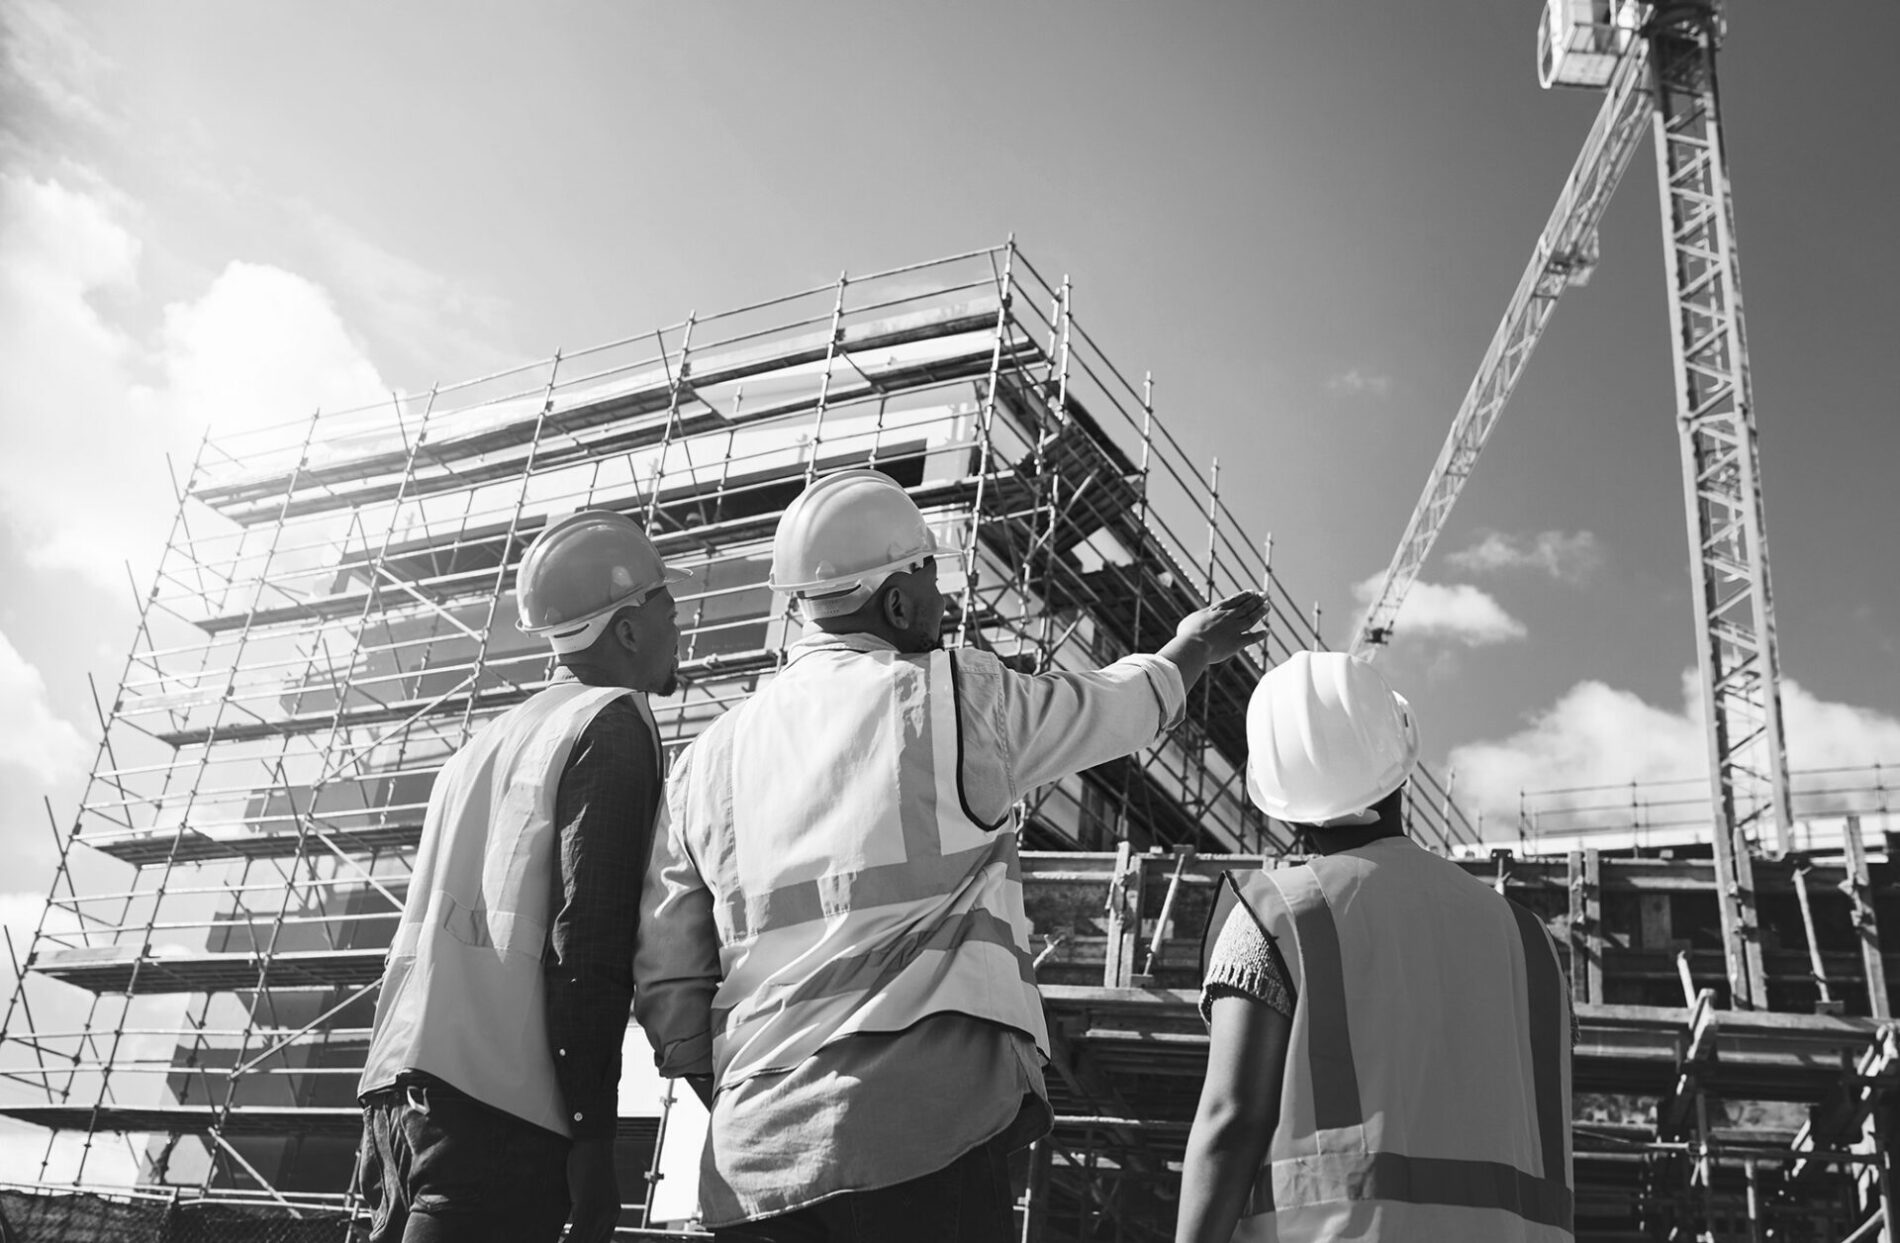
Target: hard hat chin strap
(817,608)
(586,632)
(579,640)
(1350,820)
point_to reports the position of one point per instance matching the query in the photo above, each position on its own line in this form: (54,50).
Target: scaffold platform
(333,616)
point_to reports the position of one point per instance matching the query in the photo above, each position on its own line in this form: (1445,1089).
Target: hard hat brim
(671,575)
(842,583)
(1289,813)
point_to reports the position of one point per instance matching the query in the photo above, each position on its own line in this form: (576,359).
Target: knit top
(1241,966)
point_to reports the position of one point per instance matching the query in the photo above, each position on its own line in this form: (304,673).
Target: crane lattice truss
(334,615)
(1664,74)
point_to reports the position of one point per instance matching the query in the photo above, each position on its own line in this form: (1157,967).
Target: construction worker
(1389,1056)
(489,1093)
(835,948)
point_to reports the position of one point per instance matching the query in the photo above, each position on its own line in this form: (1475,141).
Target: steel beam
(1859,887)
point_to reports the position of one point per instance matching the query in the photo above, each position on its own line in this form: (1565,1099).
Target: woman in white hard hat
(1389,1052)
(489,1090)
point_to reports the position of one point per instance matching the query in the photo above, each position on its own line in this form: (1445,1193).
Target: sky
(1305,218)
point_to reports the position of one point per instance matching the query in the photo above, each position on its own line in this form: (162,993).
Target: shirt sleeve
(1243,965)
(676,964)
(604,813)
(1058,724)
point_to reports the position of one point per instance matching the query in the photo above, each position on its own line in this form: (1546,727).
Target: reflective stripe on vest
(464,991)
(855,888)
(1345,1159)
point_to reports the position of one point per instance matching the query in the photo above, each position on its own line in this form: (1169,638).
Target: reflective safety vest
(464,993)
(1426,1093)
(856,888)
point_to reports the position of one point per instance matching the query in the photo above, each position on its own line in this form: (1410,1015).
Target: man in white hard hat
(490,1087)
(833,928)
(1389,1056)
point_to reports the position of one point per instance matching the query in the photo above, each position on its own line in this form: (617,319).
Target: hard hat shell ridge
(583,568)
(843,536)
(1326,737)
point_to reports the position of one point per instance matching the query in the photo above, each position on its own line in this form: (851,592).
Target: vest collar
(1338,841)
(823,641)
(563,676)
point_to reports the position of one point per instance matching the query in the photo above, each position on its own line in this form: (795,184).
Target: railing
(1677,812)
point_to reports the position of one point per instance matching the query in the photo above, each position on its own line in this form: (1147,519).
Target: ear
(894,603)
(625,633)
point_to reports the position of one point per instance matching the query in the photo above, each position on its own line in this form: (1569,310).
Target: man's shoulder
(618,733)
(716,732)
(978,672)
(618,716)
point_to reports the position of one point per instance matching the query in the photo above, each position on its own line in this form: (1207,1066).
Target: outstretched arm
(1056,724)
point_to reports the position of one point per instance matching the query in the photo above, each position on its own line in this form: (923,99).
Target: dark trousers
(440,1167)
(968,1201)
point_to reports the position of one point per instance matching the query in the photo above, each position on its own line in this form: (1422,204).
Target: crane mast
(1660,66)
(1721,458)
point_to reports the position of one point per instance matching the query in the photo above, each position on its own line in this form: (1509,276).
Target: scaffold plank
(494,454)
(245,1120)
(478,583)
(123,969)
(190,846)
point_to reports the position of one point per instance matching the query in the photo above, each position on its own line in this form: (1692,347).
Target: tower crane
(1655,63)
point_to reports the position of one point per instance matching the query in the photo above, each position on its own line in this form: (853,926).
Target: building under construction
(333,616)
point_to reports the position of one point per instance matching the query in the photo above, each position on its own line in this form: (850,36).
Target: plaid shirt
(603,811)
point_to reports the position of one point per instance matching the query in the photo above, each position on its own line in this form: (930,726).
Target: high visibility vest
(855,888)
(464,993)
(1426,1093)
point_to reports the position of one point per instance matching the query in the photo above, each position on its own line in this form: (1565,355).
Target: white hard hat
(842,537)
(1326,737)
(582,569)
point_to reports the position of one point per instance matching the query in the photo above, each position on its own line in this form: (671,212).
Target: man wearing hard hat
(1390,1041)
(489,1093)
(833,925)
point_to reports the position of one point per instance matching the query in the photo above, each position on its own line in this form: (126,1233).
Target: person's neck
(597,675)
(1332,841)
(883,634)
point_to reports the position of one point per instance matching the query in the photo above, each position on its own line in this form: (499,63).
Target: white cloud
(1453,612)
(1567,558)
(1835,735)
(19,915)
(93,410)
(32,735)
(262,346)
(50,66)
(445,321)
(1359,383)
(1596,736)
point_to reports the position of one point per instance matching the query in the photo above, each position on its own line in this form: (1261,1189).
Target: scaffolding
(1694,1119)
(1674,814)
(333,616)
